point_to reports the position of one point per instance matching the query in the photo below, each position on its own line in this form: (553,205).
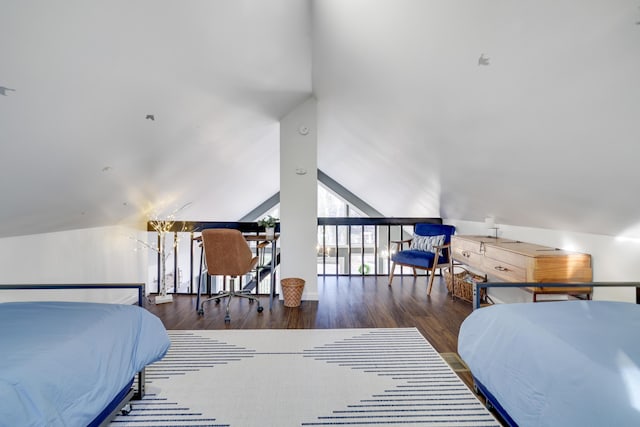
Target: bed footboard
(135,389)
(485,285)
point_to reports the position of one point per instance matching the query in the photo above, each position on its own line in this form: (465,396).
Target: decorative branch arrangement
(162,227)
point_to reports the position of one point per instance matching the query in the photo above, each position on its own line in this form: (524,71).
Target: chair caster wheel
(217,300)
(200,312)
(227,319)
(250,301)
(260,309)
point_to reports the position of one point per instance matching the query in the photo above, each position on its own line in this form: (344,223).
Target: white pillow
(426,243)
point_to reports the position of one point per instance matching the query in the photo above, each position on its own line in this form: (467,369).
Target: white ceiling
(545,135)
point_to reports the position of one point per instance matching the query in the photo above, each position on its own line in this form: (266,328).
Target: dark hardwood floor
(344,302)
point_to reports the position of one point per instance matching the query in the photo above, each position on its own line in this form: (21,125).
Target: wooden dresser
(516,261)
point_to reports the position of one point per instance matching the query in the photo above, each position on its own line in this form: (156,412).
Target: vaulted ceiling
(112,111)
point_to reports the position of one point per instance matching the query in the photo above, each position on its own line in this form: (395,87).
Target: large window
(330,205)
(346,250)
(341,249)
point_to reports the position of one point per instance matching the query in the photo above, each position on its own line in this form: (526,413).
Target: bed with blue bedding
(570,363)
(72,363)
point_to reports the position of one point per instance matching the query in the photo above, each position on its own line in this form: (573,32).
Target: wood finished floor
(344,302)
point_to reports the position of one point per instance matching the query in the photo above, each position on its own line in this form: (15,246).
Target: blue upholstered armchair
(429,248)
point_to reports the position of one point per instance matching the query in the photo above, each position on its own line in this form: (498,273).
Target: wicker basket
(292,291)
(461,286)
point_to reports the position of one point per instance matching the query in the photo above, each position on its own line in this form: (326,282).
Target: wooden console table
(516,261)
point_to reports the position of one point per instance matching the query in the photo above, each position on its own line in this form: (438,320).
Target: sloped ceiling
(527,111)
(77,147)
(545,135)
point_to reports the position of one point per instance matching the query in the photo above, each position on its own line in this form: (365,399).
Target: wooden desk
(516,261)
(273,240)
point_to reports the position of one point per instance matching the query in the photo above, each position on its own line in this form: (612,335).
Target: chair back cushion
(424,229)
(226,252)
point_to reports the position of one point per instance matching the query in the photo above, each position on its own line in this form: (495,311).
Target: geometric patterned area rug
(304,377)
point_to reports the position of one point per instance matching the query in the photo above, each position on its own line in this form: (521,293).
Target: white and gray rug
(304,377)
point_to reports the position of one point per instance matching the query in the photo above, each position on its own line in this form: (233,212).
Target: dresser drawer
(464,245)
(466,256)
(503,270)
(506,256)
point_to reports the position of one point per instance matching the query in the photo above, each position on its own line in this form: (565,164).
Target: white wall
(91,255)
(613,259)
(110,254)
(299,196)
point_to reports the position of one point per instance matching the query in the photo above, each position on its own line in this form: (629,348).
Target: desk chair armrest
(260,247)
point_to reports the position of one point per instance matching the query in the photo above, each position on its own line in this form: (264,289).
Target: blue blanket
(61,363)
(572,363)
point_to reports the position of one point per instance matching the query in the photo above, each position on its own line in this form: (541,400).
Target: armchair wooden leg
(432,274)
(393,268)
(415,273)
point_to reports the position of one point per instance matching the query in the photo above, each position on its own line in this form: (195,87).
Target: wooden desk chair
(429,249)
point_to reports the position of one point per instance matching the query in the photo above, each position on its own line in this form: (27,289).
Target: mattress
(63,362)
(570,363)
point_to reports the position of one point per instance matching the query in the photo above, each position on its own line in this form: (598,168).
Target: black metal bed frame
(492,402)
(123,397)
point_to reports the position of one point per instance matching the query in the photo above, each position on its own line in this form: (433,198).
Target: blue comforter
(572,363)
(61,363)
